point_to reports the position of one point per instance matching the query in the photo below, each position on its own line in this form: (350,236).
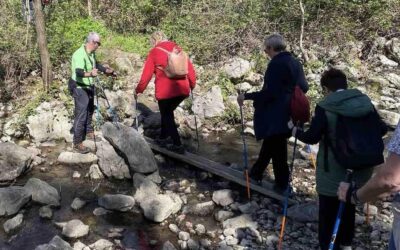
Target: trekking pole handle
(349,175)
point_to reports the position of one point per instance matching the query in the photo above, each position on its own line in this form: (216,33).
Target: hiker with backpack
(384,183)
(174,79)
(349,132)
(85,69)
(271,113)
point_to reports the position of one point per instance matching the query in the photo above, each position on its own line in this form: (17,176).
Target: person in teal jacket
(329,173)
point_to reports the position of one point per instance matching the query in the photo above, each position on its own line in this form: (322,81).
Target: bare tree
(47,74)
(303,51)
(89,6)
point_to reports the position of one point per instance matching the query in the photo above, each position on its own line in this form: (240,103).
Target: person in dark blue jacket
(272,110)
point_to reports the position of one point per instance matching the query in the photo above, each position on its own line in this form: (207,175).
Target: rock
(154,177)
(13,223)
(50,122)
(182,244)
(191,121)
(102,244)
(76,175)
(174,228)
(95,173)
(373,210)
(223,197)
(243,87)
(168,246)
(99,211)
(241,221)
(393,79)
(307,212)
(42,192)
(205,243)
(123,64)
(12,199)
(231,241)
(200,229)
(193,244)
(75,229)
(393,46)
(237,67)
(77,204)
(254,79)
(159,207)
(387,62)
(80,246)
(184,236)
(55,244)
(389,117)
(110,163)
(223,215)
(210,105)
(117,202)
(71,158)
(272,240)
(249,131)
(45,212)
(14,161)
(145,188)
(152,121)
(132,146)
(200,209)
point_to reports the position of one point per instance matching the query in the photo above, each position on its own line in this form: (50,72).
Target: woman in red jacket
(170,92)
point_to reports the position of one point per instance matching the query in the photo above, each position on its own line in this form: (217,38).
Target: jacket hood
(350,103)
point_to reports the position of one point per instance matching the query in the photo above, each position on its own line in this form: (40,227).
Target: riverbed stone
(75,229)
(117,202)
(200,229)
(13,223)
(95,172)
(14,161)
(242,221)
(168,246)
(12,199)
(55,244)
(102,244)
(223,197)
(193,244)
(184,235)
(45,212)
(110,163)
(159,207)
(200,209)
(174,228)
(223,215)
(72,158)
(99,211)
(131,146)
(80,246)
(42,192)
(145,188)
(77,203)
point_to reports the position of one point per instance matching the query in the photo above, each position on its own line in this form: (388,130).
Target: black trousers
(168,126)
(84,109)
(275,148)
(328,208)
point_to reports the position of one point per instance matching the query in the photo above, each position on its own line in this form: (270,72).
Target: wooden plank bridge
(219,170)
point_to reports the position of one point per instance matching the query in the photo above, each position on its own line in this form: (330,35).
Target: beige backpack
(177,63)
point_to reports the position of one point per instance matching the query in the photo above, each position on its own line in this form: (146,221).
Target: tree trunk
(89,6)
(47,74)
(303,51)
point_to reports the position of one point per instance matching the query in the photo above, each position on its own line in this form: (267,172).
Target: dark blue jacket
(271,104)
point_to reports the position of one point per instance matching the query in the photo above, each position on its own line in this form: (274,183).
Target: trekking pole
(110,109)
(367,217)
(246,168)
(287,193)
(136,115)
(195,123)
(340,213)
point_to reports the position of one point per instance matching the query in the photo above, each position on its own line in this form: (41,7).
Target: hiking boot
(279,189)
(163,142)
(79,148)
(179,149)
(92,137)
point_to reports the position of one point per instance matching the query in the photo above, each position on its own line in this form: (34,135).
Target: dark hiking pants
(275,148)
(168,126)
(84,109)
(328,208)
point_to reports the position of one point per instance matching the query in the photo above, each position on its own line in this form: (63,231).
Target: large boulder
(55,244)
(120,101)
(237,67)
(14,160)
(12,199)
(110,163)
(118,202)
(209,105)
(144,187)
(50,122)
(13,223)
(159,207)
(42,192)
(131,146)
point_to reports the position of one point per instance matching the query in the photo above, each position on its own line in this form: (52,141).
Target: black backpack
(358,143)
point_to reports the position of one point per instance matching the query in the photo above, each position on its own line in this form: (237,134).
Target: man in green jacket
(84,69)
(338,100)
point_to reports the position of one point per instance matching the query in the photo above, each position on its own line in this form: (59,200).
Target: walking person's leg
(172,128)
(163,107)
(345,234)
(89,131)
(81,101)
(279,161)
(263,160)
(328,208)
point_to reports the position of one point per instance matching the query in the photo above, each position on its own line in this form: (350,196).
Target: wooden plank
(220,170)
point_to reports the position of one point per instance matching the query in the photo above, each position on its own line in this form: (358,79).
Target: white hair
(275,41)
(92,36)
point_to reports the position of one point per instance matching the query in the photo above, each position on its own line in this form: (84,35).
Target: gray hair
(92,36)
(275,41)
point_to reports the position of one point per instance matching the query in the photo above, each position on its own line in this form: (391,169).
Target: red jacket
(165,87)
